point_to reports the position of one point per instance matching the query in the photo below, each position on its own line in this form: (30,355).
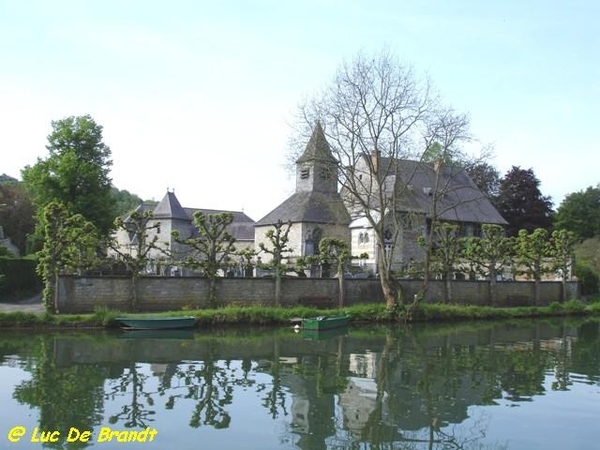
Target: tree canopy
(76,172)
(579,212)
(521,202)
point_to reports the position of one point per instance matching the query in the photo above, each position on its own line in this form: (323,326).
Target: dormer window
(304,172)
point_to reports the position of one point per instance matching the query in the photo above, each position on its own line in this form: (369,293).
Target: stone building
(171,216)
(421,193)
(316,209)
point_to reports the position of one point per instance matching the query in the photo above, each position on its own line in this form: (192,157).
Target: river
(488,385)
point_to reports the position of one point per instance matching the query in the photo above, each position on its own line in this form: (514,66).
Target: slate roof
(169,208)
(242,227)
(462,201)
(315,207)
(317,148)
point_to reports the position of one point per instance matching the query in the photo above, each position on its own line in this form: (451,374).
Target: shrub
(587,277)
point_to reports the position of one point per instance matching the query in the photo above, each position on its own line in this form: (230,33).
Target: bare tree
(376,114)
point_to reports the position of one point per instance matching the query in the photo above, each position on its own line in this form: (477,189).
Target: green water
(518,385)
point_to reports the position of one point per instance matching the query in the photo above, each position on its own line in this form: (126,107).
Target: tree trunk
(386,285)
(277,288)
(341,290)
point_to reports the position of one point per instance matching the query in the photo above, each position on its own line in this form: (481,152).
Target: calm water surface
(518,385)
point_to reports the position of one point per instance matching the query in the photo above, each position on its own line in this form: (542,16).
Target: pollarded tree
(579,212)
(375,114)
(136,257)
(489,254)
(445,253)
(562,249)
(211,249)
(76,172)
(531,253)
(521,202)
(337,251)
(70,243)
(278,240)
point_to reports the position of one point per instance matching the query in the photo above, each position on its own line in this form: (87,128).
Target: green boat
(325,322)
(156,323)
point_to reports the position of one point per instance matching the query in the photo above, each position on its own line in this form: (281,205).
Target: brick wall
(84,294)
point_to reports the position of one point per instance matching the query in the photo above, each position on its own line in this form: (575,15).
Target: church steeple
(316,169)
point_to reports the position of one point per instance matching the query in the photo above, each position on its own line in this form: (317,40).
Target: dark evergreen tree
(522,204)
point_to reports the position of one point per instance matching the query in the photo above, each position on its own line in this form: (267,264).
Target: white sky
(199,96)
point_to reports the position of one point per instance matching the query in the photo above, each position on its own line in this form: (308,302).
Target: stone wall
(84,294)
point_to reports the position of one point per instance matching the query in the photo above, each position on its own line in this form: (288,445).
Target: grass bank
(364,313)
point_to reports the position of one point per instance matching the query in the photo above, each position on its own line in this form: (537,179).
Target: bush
(587,277)
(19,276)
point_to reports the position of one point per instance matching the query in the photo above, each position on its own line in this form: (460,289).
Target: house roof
(309,206)
(459,198)
(242,227)
(170,208)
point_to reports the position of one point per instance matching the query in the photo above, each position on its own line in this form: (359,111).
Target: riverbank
(253,316)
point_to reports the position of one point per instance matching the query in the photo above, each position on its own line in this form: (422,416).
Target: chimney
(375,155)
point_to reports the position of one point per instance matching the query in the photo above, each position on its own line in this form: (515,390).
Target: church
(318,209)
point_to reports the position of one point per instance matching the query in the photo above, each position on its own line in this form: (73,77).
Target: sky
(201,96)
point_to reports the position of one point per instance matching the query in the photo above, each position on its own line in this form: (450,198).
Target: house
(423,192)
(170,216)
(316,209)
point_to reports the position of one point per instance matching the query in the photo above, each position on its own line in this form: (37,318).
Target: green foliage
(106,316)
(562,248)
(531,251)
(212,248)
(76,172)
(124,201)
(489,254)
(486,178)
(20,277)
(70,244)
(579,213)
(588,278)
(247,259)
(447,249)
(278,240)
(335,251)
(16,214)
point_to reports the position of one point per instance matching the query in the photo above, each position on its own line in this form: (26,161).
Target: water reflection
(370,388)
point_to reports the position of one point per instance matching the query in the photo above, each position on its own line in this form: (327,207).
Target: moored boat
(156,323)
(325,322)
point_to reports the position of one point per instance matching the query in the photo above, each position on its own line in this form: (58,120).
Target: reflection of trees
(70,396)
(209,383)
(136,412)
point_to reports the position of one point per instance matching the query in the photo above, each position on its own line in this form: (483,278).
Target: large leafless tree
(377,113)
